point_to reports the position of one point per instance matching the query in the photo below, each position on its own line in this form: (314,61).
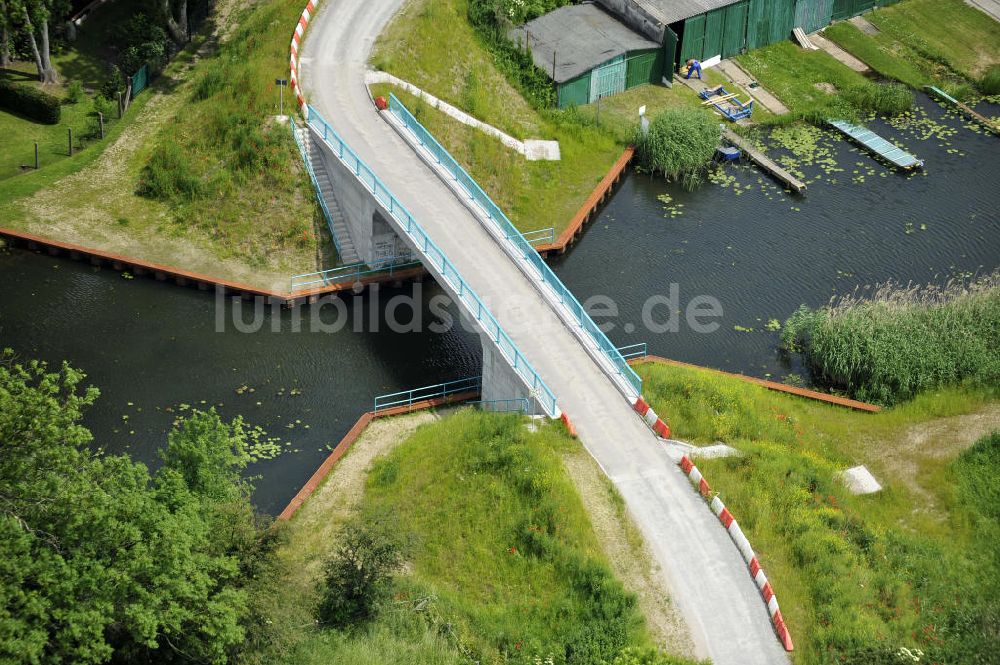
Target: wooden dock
(967,110)
(763,161)
(876,144)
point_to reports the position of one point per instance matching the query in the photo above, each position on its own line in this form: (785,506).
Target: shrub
(74,93)
(990,82)
(168,175)
(114,84)
(358,575)
(30,102)
(679,141)
(104,106)
(883,98)
(903,340)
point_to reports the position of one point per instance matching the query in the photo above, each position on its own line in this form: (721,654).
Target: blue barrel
(728,153)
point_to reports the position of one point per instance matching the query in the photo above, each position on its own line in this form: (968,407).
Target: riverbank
(860,576)
(174,188)
(478,570)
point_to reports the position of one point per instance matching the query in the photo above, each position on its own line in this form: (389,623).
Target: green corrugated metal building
(703,29)
(589,54)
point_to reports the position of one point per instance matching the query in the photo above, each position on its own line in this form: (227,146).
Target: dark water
(153,351)
(763,252)
(152,348)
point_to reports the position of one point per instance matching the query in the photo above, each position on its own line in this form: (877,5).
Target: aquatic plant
(900,340)
(990,81)
(679,141)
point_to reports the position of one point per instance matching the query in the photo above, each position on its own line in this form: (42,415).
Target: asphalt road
(707,577)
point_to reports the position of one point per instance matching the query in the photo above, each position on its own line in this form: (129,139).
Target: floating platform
(877,145)
(727,103)
(763,161)
(967,110)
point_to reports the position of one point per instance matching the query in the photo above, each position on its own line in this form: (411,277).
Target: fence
(351,273)
(410,397)
(520,243)
(433,255)
(633,351)
(140,80)
(516,404)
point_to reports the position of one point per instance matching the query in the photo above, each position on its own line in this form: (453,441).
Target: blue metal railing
(519,404)
(633,350)
(351,273)
(433,255)
(408,397)
(521,244)
(315,183)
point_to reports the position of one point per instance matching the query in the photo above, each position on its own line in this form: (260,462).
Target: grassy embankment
(927,42)
(859,577)
(223,191)
(461,70)
(505,565)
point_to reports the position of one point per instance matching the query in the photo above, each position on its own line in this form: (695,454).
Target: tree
(178,27)
(357,575)
(38,12)
(101,560)
(5,26)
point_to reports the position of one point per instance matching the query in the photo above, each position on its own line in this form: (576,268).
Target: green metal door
(693,39)
(769,21)
(643,67)
(813,15)
(734,32)
(670,61)
(713,34)
(608,79)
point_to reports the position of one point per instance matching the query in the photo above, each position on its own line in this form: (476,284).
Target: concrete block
(859,480)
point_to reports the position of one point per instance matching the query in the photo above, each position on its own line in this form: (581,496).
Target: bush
(679,141)
(30,102)
(114,84)
(169,175)
(74,93)
(902,340)
(884,98)
(358,575)
(990,82)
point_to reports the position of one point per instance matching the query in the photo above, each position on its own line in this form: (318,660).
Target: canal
(154,351)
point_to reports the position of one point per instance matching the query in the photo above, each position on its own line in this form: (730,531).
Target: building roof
(580,37)
(671,11)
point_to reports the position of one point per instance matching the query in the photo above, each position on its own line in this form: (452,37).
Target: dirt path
(315,525)
(936,442)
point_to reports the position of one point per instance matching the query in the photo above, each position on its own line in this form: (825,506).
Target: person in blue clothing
(694,67)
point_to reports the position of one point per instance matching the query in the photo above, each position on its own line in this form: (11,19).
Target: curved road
(705,573)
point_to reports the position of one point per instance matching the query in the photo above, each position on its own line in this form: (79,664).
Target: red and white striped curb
(300,31)
(743,545)
(654,421)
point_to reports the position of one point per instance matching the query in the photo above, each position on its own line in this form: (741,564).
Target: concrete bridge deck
(705,572)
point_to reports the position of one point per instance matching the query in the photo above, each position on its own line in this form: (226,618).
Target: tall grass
(881,98)
(679,141)
(903,339)
(990,81)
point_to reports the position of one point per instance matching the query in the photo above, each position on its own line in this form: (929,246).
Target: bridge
(536,344)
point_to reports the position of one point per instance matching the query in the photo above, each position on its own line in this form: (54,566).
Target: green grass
(902,340)
(21,135)
(858,577)
(883,54)
(791,74)
(946,31)
(433,46)
(501,546)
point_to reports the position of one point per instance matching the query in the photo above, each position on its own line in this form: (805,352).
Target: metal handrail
(521,244)
(315,184)
(520,404)
(433,255)
(352,273)
(408,397)
(639,350)
(538,236)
